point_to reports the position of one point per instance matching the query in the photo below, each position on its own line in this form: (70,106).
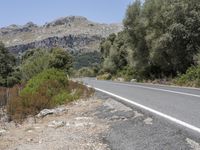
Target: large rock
(2,132)
(133,80)
(3,115)
(120,79)
(66,20)
(57,124)
(46,112)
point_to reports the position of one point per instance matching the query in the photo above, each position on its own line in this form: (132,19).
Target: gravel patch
(74,129)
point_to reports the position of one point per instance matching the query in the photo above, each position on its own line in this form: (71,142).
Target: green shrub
(190,78)
(127,73)
(59,78)
(60,59)
(63,97)
(7,64)
(46,90)
(34,62)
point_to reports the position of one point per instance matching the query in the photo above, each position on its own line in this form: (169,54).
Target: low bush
(46,78)
(127,73)
(46,90)
(105,76)
(190,78)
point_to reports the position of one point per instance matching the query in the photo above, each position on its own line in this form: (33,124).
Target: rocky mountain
(73,33)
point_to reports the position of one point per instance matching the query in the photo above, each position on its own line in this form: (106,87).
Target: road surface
(180,105)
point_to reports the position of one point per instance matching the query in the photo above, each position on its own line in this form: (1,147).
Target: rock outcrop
(73,33)
(71,43)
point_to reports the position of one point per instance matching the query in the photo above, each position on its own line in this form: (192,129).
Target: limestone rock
(71,33)
(133,80)
(57,124)
(46,112)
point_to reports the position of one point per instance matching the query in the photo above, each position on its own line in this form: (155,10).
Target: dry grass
(3,98)
(21,106)
(6,94)
(83,91)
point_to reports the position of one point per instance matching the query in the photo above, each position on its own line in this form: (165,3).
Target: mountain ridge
(18,38)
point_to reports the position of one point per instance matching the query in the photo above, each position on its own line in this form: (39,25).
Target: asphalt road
(182,104)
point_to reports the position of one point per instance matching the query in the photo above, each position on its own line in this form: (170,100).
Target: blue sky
(41,11)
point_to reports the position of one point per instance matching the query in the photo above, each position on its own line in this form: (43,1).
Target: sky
(41,11)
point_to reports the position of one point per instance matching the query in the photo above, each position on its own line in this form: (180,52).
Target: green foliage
(87,59)
(35,61)
(60,59)
(127,73)
(190,78)
(62,97)
(160,39)
(50,75)
(7,63)
(114,52)
(45,90)
(197,59)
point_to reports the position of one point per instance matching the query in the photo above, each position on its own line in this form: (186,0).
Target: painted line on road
(169,86)
(182,123)
(163,90)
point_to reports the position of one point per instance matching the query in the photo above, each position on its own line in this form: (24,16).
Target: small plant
(62,98)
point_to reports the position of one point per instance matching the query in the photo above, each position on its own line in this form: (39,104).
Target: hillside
(74,33)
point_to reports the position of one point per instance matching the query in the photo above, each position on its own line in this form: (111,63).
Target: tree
(60,59)
(160,39)
(33,62)
(106,45)
(36,60)
(7,63)
(114,52)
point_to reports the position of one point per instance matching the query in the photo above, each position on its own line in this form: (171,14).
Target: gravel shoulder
(75,128)
(99,123)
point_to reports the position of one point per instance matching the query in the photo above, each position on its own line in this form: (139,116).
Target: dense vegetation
(41,80)
(35,61)
(161,39)
(47,89)
(89,59)
(7,67)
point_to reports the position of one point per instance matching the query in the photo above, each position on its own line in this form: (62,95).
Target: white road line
(157,89)
(182,123)
(170,86)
